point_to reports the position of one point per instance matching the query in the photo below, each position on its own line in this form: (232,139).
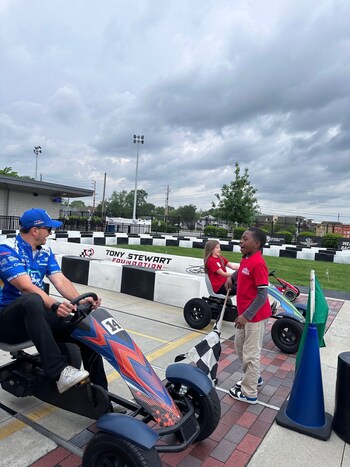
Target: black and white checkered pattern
(206,354)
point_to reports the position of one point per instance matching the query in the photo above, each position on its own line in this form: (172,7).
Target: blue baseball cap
(37,218)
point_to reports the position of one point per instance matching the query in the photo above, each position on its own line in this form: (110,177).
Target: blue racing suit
(24,317)
(16,259)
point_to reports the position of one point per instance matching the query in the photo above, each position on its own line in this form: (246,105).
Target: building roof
(44,188)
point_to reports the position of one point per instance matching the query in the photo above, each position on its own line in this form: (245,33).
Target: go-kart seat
(15,347)
(210,289)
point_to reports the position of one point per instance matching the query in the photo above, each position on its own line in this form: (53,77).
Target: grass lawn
(332,276)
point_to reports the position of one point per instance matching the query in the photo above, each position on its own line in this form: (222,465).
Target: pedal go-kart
(185,406)
(286,331)
(290,291)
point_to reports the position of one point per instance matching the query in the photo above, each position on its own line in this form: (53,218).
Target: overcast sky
(264,83)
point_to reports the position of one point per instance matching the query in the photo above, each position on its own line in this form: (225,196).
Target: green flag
(316,313)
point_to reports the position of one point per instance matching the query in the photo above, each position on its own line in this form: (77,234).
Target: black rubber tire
(197,313)
(207,409)
(290,294)
(72,353)
(110,451)
(286,334)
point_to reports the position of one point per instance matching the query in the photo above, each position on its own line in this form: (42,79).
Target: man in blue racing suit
(28,313)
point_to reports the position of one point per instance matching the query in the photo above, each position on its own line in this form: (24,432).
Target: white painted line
(259,402)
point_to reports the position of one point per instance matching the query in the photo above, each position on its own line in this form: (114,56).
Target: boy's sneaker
(69,377)
(260,383)
(238,394)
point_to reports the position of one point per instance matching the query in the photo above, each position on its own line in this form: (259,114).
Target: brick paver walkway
(242,426)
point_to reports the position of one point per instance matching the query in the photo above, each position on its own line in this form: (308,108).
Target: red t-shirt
(252,273)
(213,264)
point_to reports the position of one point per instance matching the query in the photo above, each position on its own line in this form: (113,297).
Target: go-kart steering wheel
(82,310)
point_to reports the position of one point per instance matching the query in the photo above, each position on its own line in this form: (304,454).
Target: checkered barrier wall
(115,239)
(160,286)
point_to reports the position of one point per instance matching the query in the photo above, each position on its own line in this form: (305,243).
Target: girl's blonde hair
(208,250)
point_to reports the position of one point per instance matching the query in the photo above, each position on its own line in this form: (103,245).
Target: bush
(307,234)
(161,226)
(331,240)
(238,232)
(72,220)
(287,235)
(210,231)
(221,232)
(278,228)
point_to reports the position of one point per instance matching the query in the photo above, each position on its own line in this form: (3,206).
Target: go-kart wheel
(107,450)
(207,409)
(71,352)
(290,294)
(197,313)
(286,334)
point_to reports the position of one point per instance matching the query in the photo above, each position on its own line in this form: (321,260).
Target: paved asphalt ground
(246,434)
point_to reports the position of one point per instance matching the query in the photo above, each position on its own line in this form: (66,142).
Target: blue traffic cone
(304,411)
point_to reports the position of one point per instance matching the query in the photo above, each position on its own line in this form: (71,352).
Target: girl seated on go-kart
(215,266)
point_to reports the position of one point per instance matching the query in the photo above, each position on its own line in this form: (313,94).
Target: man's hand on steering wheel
(94,303)
(63,309)
(84,304)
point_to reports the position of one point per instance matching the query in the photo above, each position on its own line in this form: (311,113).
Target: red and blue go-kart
(162,417)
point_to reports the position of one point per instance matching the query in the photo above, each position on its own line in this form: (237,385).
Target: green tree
(187,214)
(121,204)
(237,202)
(9,172)
(78,204)
(159,211)
(145,210)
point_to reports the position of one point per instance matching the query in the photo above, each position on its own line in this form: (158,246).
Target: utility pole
(94,196)
(137,140)
(166,210)
(37,150)
(103,197)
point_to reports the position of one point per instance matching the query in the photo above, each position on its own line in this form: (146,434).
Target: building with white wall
(18,195)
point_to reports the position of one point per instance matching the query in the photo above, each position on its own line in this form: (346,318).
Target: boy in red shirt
(253,312)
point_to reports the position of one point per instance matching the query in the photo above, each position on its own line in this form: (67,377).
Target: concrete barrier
(167,287)
(114,239)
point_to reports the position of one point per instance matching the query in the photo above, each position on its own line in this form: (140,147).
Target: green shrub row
(160,226)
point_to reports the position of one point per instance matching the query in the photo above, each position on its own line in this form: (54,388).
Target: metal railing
(9,222)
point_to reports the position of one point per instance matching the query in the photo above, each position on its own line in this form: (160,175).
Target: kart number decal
(111,325)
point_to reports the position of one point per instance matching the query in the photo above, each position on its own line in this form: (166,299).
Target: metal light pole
(137,140)
(37,150)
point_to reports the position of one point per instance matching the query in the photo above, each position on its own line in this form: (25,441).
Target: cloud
(208,84)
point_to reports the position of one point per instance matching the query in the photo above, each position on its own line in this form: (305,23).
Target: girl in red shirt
(215,267)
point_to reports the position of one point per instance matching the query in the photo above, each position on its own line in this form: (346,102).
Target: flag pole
(312,294)
(219,322)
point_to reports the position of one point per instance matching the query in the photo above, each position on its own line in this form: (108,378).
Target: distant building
(210,220)
(270,220)
(18,195)
(327,228)
(343,230)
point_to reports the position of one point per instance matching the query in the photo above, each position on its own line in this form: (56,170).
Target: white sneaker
(69,377)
